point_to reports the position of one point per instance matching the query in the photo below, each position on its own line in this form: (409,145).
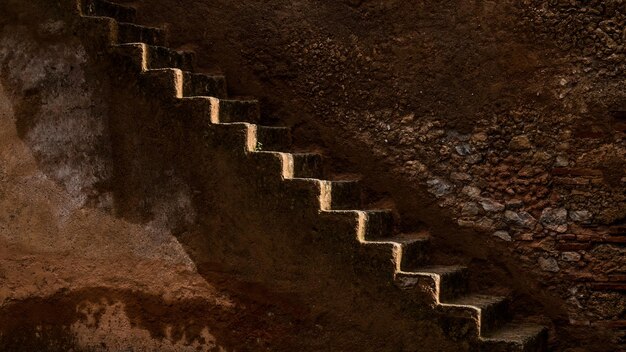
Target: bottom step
(516,338)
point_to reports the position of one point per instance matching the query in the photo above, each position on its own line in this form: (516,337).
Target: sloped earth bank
(96,203)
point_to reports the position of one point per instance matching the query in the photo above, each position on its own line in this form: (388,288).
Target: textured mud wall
(506,117)
(72,275)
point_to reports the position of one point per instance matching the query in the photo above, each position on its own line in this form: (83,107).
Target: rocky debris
(526,237)
(470,209)
(503,235)
(463,149)
(580,216)
(561,161)
(439,187)
(471,191)
(570,256)
(554,219)
(522,219)
(549,264)
(491,206)
(520,143)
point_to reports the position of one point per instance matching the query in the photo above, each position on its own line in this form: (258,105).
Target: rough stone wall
(505,116)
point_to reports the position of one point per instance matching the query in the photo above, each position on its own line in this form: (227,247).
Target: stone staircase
(484,320)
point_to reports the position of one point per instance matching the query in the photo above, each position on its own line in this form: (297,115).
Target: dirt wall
(73,276)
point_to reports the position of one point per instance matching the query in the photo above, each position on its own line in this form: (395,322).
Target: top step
(102,8)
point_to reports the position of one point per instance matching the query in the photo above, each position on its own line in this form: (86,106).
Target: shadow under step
(142,56)
(415,250)
(379,225)
(345,194)
(201,84)
(276,139)
(307,165)
(134,33)
(238,110)
(163,57)
(103,8)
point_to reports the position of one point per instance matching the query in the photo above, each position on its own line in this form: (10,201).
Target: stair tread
(476,300)
(376,211)
(405,238)
(438,269)
(519,333)
(135,25)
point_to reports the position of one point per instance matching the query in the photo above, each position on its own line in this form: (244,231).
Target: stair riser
(494,317)
(204,85)
(128,33)
(345,195)
(161,57)
(166,83)
(103,30)
(458,328)
(273,139)
(453,286)
(307,166)
(415,255)
(379,226)
(237,111)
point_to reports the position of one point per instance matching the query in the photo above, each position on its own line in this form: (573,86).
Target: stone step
(237,110)
(143,57)
(345,194)
(133,54)
(163,57)
(134,33)
(478,313)
(516,337)
(415,250)
(102,30)
(273,138)
(378,224)
(103,8)
(307,165)
(201,84)
(165,83)
(452,280)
